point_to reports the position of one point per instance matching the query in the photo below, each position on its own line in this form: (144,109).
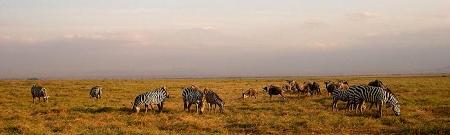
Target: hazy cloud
(363,16)
(226,38)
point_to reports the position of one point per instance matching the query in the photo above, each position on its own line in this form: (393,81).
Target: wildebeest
(286,87)
(310,87)
(38,92)
(331,86)
(249,93)
(273,90)
(343,85)
(378,83)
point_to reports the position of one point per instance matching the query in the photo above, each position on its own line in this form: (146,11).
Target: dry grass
(425,109)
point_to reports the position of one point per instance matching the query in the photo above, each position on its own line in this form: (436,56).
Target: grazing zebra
(157,96)
(364,93)
(273,90)
(341,95)
(213,99)
(193,95)
(39,91)
(249,93)
(96,92)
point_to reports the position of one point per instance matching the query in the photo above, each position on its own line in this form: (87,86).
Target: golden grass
(425,108)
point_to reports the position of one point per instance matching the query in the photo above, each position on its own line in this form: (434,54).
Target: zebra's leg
(211,106)
(159,107)
(151,106)
(380,110)
(146,108)
(197,108)
(185,106)
(39,99)
(361,107)
(189,107)
(33,99)
(162,106)
(334,105)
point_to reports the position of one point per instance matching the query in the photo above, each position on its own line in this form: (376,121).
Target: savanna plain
(424,100)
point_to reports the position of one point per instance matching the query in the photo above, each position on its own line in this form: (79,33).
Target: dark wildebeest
(315,88)
(378,83)
(331,86)
(273,90)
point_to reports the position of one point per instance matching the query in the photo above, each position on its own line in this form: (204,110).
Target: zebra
(341,95)
(96,92)
(361,93)
(157,96)
(193,95)
(39,91)
(213,99)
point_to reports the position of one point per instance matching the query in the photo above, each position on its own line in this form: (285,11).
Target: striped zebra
(213,99)
(157,96)
(193,95)
(374,95)
(96,92)
(341,95)
(39,91)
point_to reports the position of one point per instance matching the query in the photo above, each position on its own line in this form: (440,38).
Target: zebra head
(134,107)
(392,101)
(396,109)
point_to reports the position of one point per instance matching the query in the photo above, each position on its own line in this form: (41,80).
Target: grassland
(424,101)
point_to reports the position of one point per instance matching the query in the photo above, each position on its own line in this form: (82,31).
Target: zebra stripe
(213,99)
(96,92)
(193,95)
(39,91)
(157,96)
(373,95)
(341,95)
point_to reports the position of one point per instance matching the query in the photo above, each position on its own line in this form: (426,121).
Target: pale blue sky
(222,38)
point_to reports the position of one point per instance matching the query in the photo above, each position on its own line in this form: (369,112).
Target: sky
(222,38)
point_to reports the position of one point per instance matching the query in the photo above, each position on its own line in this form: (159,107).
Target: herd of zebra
(355,96)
